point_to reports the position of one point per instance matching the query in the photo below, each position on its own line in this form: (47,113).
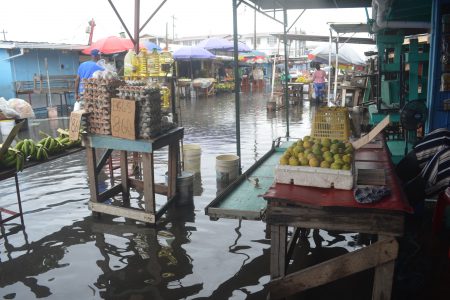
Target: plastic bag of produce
(22,107)
(6,111)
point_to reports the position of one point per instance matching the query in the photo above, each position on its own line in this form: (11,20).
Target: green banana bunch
(52,145)
(13,158)
(63,133)
(27,147)
(41,153)
(63,138)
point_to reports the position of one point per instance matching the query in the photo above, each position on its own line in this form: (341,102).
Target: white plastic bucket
(185,188)
(192,157)
(6,126)
(227,167)
(52,112)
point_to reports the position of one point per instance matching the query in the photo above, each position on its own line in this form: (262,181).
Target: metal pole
(336,72)
(286,70)
(152,15)
(121,21)
(254,30)
(137,4)
(330,46)
(237,84)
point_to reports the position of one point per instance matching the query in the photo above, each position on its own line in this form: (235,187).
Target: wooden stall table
(204,86)
(13,214)
(146,148)
(356,93)
(295,91)
(184,88)
(337,210)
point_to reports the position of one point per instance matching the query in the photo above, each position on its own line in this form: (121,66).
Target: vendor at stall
(86,70)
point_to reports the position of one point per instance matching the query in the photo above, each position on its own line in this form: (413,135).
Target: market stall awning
(347,55)
(308,4)
(150,46)
(192,52)
(110,45)
(349,27)
(322,38)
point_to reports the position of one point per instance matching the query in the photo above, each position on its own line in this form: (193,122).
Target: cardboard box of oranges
(319,162)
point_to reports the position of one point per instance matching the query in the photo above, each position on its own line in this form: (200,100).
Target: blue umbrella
(215,43)
(150,46)
(242,47)
(192,52)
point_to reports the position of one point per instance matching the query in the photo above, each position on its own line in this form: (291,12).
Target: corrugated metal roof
(40,45)
(310,4)
(349,27)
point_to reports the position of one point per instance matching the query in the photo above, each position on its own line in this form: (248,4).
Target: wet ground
(65,252)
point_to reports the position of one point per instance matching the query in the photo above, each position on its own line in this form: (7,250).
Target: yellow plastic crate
(331,122)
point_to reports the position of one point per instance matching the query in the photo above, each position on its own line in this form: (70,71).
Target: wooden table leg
(149,182)
(19,200)
(124,177)
(173,170)
(278,246)
(384,276)
(344,94)
(356,97)
(92,174)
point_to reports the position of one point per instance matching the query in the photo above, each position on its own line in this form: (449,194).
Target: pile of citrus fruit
(319,152)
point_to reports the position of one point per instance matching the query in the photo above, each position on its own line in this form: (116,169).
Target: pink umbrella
(110,45)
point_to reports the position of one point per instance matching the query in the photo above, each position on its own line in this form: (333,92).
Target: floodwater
(65,252)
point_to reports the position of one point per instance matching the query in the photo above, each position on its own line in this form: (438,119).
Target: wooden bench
(54,84)
(58,84)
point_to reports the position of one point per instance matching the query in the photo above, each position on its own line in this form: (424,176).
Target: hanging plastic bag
(22,107)
(6,111)
(76,106)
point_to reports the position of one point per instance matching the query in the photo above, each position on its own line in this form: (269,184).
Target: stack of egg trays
(149,113)
(97,97)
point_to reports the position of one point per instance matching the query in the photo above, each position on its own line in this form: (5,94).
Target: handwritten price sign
(123,118)
(74,124)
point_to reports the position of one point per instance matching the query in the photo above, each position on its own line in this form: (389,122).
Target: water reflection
(66,252)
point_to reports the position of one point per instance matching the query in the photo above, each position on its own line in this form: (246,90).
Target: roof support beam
(301,14)
(262,12)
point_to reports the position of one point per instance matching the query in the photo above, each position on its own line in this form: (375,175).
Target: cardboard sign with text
(123,118)
(74,124)
(372,134)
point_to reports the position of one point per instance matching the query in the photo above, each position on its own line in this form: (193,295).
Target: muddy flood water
(65,252)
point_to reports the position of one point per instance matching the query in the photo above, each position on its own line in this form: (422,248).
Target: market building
(27,67)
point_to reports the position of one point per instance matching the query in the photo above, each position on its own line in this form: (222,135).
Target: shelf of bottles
(150,65)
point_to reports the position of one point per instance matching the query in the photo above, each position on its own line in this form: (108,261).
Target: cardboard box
(316,177)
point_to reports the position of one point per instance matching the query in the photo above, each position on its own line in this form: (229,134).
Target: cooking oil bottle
(166,61)
(129,62)
(165,97)
(153,63)
(142,58)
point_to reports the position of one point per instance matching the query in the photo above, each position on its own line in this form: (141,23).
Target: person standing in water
(319,83)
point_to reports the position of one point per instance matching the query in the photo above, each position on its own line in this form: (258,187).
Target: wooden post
(378,254)
(124,177)
(148,176)
(384,275)
(277,251)
(92,175)
(173,169)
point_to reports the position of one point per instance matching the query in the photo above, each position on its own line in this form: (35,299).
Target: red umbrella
(110,45)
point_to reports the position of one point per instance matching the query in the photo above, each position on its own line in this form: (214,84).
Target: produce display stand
(146,148)
(13,214)
(304,207)
(10,173)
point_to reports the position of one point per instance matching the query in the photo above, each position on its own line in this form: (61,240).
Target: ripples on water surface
(66,253)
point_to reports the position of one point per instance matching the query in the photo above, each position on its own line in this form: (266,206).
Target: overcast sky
(66,21)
